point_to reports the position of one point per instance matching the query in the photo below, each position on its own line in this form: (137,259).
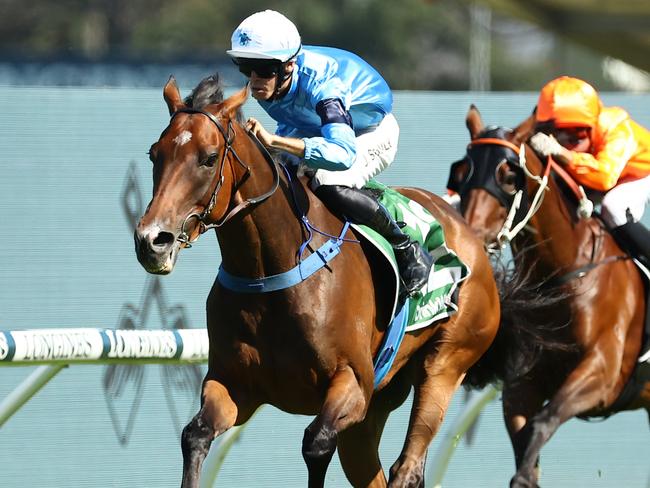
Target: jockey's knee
(357,205)
(623,204)
(615,209)
(619,213)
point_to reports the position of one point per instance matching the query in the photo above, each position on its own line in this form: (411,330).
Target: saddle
(438,299)
(435,301)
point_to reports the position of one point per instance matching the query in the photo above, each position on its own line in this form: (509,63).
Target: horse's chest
(281,370)
(263,339)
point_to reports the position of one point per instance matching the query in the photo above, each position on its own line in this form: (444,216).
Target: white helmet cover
(265,35)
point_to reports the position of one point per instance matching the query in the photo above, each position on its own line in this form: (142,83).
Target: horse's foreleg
(345,404)
(587,387)
(358,445)
(359,451)
(440,377)
(218,413)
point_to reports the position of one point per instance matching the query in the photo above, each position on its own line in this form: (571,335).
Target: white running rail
(54,349)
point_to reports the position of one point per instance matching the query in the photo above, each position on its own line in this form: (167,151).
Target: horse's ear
(474,122)
(525,130)
(230,106)
(172,96)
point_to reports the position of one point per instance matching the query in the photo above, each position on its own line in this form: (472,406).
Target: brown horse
(508,195)
(306,349)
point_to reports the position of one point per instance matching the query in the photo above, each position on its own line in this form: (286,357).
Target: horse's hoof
(520,481)
(407,475)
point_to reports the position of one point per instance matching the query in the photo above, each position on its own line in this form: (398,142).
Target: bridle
(229,138)
(508,232)
(584,210)
(520,211)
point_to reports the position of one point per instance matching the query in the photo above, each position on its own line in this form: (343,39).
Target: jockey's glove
(547,146)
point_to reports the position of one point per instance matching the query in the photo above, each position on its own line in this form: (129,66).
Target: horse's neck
(556,240)
(261,240)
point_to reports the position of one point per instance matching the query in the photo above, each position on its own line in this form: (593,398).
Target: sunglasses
(263,69)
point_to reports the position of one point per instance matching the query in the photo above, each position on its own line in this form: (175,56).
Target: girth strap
(295,275)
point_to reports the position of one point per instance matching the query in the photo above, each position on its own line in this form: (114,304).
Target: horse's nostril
(163,239)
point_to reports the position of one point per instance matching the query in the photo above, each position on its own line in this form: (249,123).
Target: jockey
(333,112)
(604,150)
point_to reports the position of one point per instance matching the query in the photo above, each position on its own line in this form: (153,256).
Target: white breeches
(633,195)
(375,152)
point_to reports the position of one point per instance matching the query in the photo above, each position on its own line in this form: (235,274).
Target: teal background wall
(67,157)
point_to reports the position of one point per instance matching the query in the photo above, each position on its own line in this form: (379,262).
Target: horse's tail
(524,332)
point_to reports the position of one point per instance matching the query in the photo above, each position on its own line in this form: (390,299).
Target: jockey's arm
(602,170)
(598,171)
(329,152)
(334,150)
(292,145)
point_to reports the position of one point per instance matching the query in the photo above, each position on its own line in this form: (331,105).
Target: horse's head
(491,180)
(192,179)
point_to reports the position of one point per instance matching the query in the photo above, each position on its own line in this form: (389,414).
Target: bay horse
(309,348)
(510,196)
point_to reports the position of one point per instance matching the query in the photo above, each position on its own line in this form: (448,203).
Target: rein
(582,271)
(585,206)
(229,138)
(507,233)
(306,267)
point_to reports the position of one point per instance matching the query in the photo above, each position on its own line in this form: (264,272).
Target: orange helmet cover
(568,102)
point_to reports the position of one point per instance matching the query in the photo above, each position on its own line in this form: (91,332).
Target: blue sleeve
(336,150)
(283,130)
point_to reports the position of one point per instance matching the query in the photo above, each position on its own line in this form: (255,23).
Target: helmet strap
(280,79)
(283,76)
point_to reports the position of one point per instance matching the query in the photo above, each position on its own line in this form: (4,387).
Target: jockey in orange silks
(603,149)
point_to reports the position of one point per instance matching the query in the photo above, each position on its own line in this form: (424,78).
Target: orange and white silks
(620,148)
(620,152)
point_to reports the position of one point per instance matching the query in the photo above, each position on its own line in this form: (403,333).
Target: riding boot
(634,238)
(361,207)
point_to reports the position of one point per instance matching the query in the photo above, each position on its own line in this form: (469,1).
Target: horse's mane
(209,91)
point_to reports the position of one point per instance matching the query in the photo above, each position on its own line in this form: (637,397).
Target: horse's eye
(506,178)
(210,160)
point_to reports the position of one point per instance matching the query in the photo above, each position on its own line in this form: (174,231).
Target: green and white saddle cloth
(437,299)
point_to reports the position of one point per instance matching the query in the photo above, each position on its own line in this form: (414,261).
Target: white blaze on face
(183,138)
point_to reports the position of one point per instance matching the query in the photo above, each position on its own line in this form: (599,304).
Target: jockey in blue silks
(333,113)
